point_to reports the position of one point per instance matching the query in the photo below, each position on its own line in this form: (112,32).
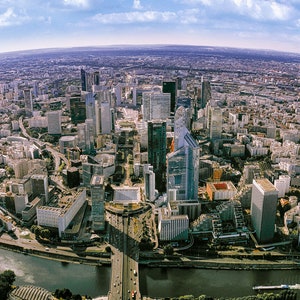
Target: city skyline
(38,24)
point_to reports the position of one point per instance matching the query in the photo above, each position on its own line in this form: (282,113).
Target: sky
(258,24)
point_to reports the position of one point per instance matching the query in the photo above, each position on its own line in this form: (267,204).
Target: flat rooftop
(265,184)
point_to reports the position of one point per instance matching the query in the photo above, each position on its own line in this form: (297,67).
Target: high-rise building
(90,106)
(149,180)
(28,99)
(263,209)
(103,97)
(77,108)
(73,177)
(83,80)
(97,197)
(54,122)
(85,134)
(157,151)
(156,106)
(215,123)
(40,187)
(183,166)
(106,118)
(170,87)
(205,93)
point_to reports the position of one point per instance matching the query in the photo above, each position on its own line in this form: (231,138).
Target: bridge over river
(125,231)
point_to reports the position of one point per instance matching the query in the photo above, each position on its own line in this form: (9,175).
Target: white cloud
(77,3)
(135,17)
(137,4)
(10,18)
(257,9)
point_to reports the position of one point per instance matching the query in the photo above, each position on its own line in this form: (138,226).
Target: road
(124,276)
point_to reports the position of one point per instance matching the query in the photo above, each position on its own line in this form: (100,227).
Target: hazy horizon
(245,24)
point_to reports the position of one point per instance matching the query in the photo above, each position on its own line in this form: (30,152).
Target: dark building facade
(157,151)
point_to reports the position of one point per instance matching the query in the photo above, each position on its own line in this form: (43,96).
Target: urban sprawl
(196,148)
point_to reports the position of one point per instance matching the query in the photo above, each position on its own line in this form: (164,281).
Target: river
(154,282)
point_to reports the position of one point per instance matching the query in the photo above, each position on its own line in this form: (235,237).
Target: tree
(168,249)
(7,278)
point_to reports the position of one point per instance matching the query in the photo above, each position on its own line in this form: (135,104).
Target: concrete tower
(263,209)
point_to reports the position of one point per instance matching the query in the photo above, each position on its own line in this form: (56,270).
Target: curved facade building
(29,292)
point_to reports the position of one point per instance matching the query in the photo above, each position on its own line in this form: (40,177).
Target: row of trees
(283,295)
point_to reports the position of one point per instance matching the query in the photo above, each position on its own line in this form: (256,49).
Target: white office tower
(263,209)
(97,197)
(149,180)
(215,123)
(104,113)
(172,228)
(287,182)
(54,122)
(156,106)
(280,186)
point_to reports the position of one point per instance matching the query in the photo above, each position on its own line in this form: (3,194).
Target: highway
(124,275)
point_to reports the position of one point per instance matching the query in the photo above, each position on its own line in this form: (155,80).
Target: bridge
(124,236)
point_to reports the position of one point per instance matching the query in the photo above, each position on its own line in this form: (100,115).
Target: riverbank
(32,247)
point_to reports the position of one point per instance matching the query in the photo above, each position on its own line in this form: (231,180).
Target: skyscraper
(28,99)
(157,151)
(215,123)
(40,187)
(183,165)
(263,209)
(97,197)
(77,109)
(156,106)
(205,93)
(149,179)
(54,122)
(85,134)
(170,87)
(104,112)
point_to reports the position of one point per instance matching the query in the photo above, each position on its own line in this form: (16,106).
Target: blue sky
(260,24)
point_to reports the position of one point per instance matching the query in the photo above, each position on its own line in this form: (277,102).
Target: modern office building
(215,123)
(54,122)
(149,182)
(73,177)
(67,141)
(156,106)
(97,197)
(28,102)
(205,93)
(172,228)
(61,217)
(40,187)
(88,170)
(85,135)
(264,200)
(170,88)
(90,106)
(183,168)
(77,108)
(157,151)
